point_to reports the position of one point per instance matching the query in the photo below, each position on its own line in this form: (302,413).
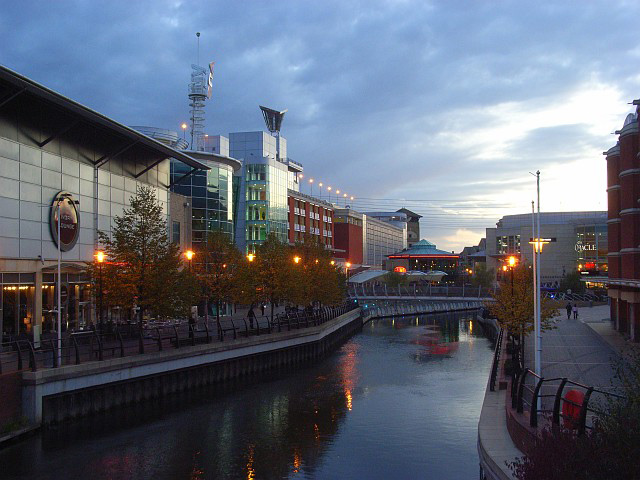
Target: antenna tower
(199,91)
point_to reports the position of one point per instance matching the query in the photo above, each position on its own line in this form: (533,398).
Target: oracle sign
(70,221)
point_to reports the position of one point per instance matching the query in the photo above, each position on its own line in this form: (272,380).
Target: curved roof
(423,248)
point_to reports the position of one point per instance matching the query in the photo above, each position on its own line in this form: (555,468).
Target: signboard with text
(64,209)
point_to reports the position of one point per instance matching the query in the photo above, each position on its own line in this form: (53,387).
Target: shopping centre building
(54,151)
(579,243)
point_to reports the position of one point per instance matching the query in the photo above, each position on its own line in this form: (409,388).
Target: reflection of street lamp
(251,257)
(296,259)
(100,259)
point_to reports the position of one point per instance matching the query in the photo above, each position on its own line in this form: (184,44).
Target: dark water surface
(401,399)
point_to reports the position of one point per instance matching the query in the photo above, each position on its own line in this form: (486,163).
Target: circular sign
(64,207)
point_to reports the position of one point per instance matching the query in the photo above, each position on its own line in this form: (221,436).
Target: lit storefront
(580,244)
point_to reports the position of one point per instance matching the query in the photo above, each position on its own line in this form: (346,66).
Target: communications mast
(199,91)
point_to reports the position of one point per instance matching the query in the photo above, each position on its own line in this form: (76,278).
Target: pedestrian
(569,309)
(251,315)
(575,311)
(262,306)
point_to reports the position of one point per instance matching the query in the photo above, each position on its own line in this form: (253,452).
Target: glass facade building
(211,195)
(261,187)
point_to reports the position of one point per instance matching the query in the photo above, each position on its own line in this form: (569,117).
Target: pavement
(586,351)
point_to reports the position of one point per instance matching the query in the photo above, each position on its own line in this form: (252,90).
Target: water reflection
(401,399)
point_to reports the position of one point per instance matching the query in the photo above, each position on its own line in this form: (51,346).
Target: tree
(142,267)
(513,306)
(483,276)
(394,279)
(314,277)
(571,281)
(216,265)
(272,272)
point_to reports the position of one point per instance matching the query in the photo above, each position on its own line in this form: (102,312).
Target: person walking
(569,309)
(251,316)
(575,311)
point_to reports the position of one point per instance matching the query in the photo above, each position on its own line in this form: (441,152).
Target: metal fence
(384,290)
(551,399)
(130,340)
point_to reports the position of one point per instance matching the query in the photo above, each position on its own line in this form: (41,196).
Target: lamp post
(320,185)
(337,196)
(311,183)
(100,259)
(189,254)
(251,257)
(184,132)
(347,267)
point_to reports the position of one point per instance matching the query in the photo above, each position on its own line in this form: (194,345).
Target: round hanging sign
(69,220)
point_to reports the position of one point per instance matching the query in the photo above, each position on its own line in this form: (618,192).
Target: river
(401,399)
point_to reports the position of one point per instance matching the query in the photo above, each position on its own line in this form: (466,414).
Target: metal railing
(531,393)
(496,361)
(384,290)
(130,340)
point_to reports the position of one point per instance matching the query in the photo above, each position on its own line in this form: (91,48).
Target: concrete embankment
(54,395)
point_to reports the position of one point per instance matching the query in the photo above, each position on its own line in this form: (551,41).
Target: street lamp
(189,254)
(296,259)
(100,259)
(251,257)
(184,131)
(348,266)
(320,185)
(311,183)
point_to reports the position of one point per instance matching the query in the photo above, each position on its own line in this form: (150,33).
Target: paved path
(576,350)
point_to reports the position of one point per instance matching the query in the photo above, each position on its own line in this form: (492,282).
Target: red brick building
(309,216)
(349,236)
(623,191)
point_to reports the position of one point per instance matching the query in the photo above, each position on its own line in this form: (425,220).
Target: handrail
(496,361)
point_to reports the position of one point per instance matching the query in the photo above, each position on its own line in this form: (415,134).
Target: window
(175,232)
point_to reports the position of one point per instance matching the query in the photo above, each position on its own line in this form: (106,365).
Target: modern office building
(425,257)
(309,217)
(379,238)
(210,192)
(579,243)
(413,226)
(56,152)
(264,180)
(623,190)
(397,219)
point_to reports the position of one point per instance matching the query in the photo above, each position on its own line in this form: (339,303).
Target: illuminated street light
(100,259)
(189,254)
(311,183)
(184,131)
(251,257)
(512,261)
(296,259)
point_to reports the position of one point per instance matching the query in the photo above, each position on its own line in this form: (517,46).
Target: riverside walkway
(585,351)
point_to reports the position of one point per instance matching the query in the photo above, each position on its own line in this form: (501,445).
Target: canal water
(399,400)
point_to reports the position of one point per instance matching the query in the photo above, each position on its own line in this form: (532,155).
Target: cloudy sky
(442,107)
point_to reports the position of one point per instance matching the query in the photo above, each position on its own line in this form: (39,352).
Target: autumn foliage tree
(217,267)
(513,305)
(142,268)
(315,278)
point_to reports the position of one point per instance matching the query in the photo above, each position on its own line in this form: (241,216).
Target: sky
(441,107)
